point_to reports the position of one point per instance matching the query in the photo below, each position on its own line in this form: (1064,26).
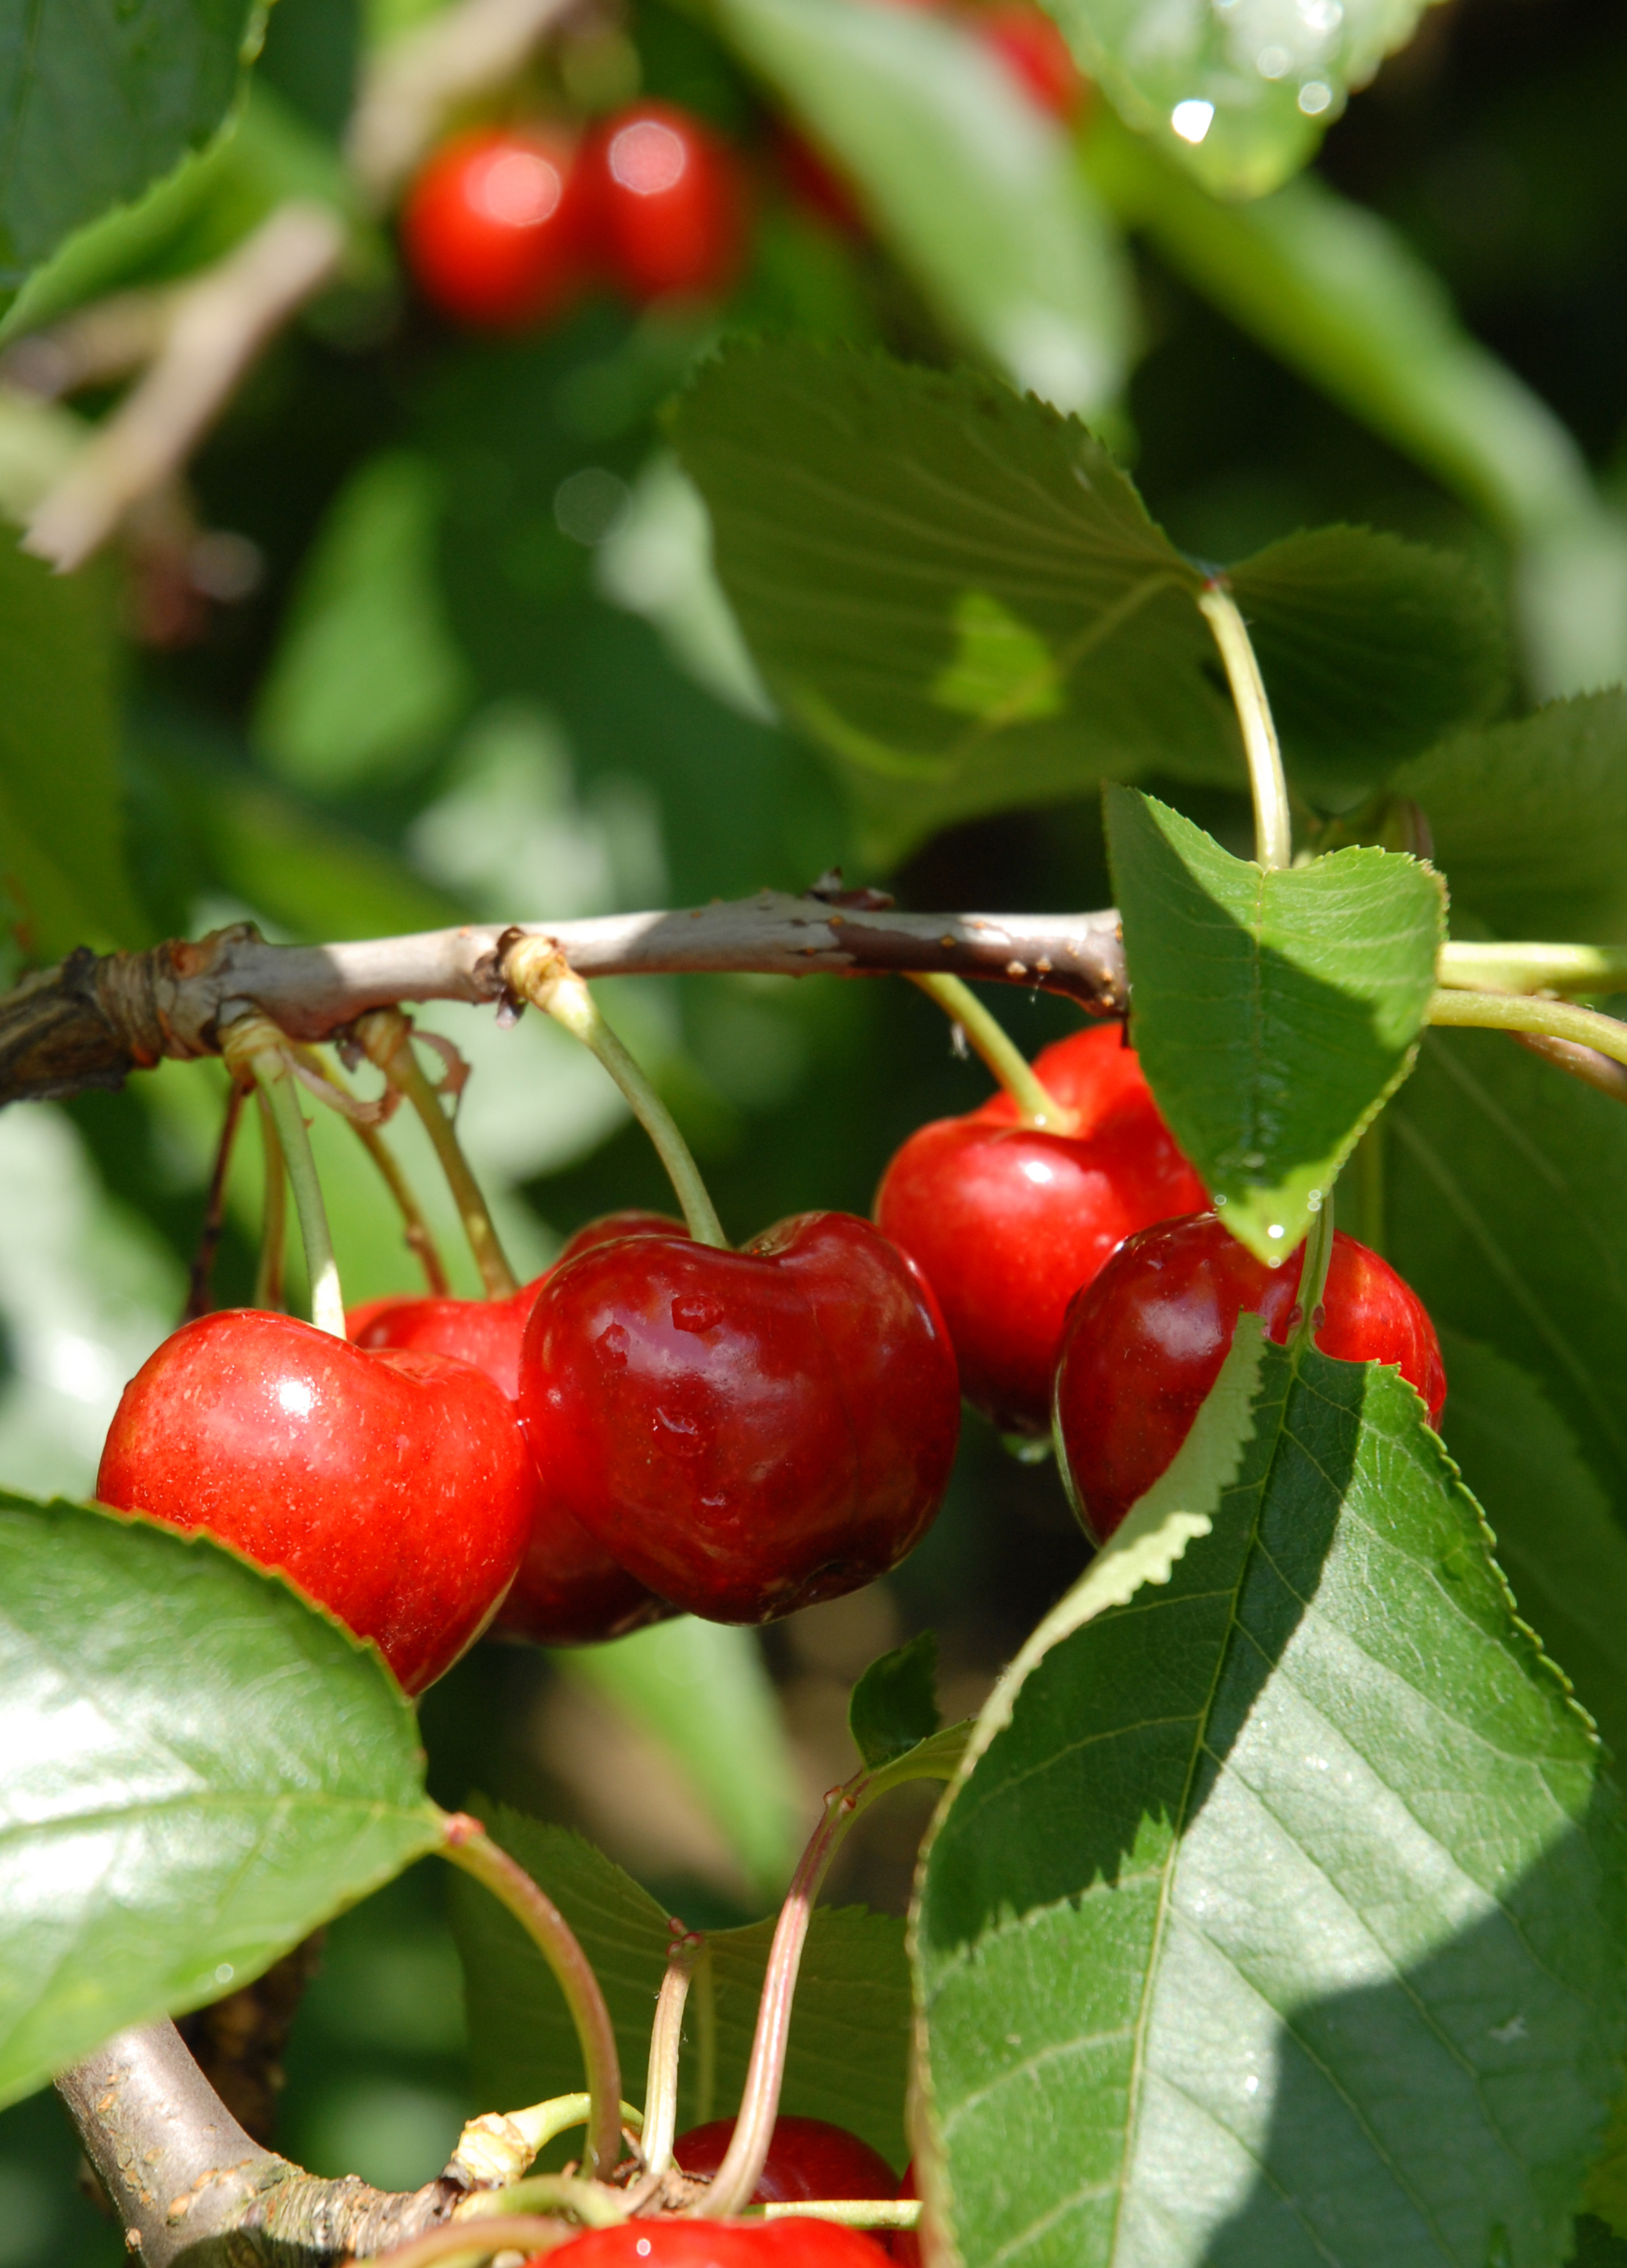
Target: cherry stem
(200,1280)
(661,2091)
(1274,843)
(468,1845)
(1036,1105)
(254,1043)
(1525,966)
(418,1236)
(386,1035)
(851,2212)
(534,969)
(1513,1012)
(593,2205)
(1318,1252)
(458,2241)
(274,1213)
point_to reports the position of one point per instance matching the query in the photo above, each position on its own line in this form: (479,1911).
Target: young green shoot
(1036,1105)
(1273,831)
(386,1036)
(535,970)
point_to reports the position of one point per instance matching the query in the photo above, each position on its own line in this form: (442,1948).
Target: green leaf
(1273,1013)
(894,1706)
(702,1691)
(977,195)
(98,100)
(1530,820)
(195,1769)
(954,590)
(1240,96)
(1505,1197)
(1370,648)
(849,2040)
(1565,1554)
(63,878)
(1275,1918)
(365,679)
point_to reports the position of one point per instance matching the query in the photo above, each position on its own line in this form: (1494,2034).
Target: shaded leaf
(702,1691)
(849,2035)
(1563,1552)
(1240,95)
(1530,820)
(1274,1919)
(98,100)
(894,1706)
(195,1769)
(1273,1012)
(1505,1197)
(974,192)
(63,875)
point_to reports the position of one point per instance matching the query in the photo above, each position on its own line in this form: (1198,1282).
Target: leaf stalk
(1274,844)
(1036,1105)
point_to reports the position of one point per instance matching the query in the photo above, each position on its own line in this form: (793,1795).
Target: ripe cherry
(744,1431)
(569,1591)
(395,1488)
(807,2158)
(493,228)
(668,206)
(793,2244)
(1145,1343)
(1009,1223)
(1029,43)
(903,2244)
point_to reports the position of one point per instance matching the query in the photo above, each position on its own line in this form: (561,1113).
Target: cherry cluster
(660,1425)
(506,227)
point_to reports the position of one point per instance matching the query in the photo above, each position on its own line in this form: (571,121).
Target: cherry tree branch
(89,1021)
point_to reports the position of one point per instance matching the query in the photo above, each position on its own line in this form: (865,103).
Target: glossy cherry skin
(569,1591)
(394,1488)
(795,2243)
(745,1432)
(807,2158)
(1007,1224)
(1029,43)
(1145,1343)
(494,228)
(668,205)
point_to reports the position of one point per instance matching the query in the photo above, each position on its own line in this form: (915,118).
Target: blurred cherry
(1145,1343)
(494,228)
(669,203)
(1029,42)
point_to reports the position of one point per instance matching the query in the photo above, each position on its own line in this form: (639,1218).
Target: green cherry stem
(1273,830)
(1036,1105)
(200,1277)
(268,1292)
(416,1233)
(851,2212)
(661,2092)
(254,1044)
(594,2206)
(1528,966)
(1318,1252)
(1522,1012)
(535,970)
(458,2241)
(385,1037)
(467,1844)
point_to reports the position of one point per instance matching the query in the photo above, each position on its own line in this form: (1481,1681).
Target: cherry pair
(506,227)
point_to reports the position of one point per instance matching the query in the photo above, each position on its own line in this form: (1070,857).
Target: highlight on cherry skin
(1146,1340)
(746,1432)
(797,2242)
(494,228)
(807,2158)
(667,203)
(393,1487)
(1008,1222)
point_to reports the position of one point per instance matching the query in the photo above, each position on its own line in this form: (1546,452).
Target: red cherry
(395,1488)
(744,1431)
(1029,43)
(569,1591)
(793,2243)
(1007,1224)
(669,203)
(1145,1343)
(493,228)
(807,2158)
